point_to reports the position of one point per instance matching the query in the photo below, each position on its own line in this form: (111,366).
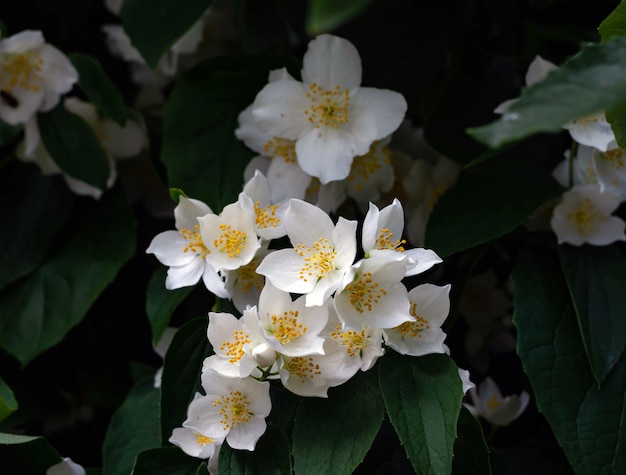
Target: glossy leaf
(332,436)
(29,455)
(270,457)
(155,25)
(595,276)
(181,373)
(589,423)
(167,461)
(471,455)
(161,302)
(98,88)
(423,399)
(615,24)
(8,404)
(74,147)
(591,81)
(45,305)
(488,202)
(616,116)
(327,15)
(31,220)
(133,428)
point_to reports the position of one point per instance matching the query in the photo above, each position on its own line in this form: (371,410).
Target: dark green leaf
(161,303)
(155,25)
(423,399)
(167,461)
(591,81)
(614,24)
(332,436)
(181,373)
(471,455)
(616,116)
(270,457)
(98,88)
(327,15)
(200,150)
(50,301)
(595,276)
(8,133)
(489,201)
(30,220)
(73,145)
(8,404)
(27,455)
(589,423)
(134,428)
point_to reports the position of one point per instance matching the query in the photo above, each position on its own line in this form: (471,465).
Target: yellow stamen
(195,243)
(234,409)
(287,327)
(231,241)
(363,293)
(329,108)
(585,217)
(319,260)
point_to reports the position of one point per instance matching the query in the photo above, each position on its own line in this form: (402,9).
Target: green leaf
(489,201)
(270,456)
(8,404)
(50,301)
(8,133)
(27,455)
(73,145)
(332,436)
(98,88)
(161,302)
(200,150)
(589,423)
(327,15)
(595,276)
(616,116)
(423,399)
(181,373)
(471,455)
(34,208)
(155,25)
(167,461)
(615,24)
(591,81)
(133,428)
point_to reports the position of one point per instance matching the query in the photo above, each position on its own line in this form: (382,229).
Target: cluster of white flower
(348,308)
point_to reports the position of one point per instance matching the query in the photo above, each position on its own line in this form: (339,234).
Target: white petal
(327,153)
(331,61)
(122,142)
(538,70)
(279,109)
(287,180)
(184,276)
(375,114)
(168,247)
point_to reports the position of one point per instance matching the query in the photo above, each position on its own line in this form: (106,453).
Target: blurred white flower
(66,467)
(592,130)
(488,403)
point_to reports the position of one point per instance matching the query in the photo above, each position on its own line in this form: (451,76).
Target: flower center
(614,158)
(329,108)
(234,349)
(231,241)
(354,341)
(364,293)
(414,329)
(203,440)
(585,217)
(283,148)
(302,368)
(194,241)
(266,217)
(493,402)
(233,409)
(247,277)
(21,70)
(385,241)
(366,165)
(287,327)
(319,259)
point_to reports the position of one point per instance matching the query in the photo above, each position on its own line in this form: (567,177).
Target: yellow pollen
(614,158)
(194,243)
(287,327)
(203,440)
(319,260)
(266,217)
(366,165)
(247,277)
(585,217)
(492,402)
(21,70)
(233,409)
(329,108)
(385,241)
(302,367)
(283,148)
(354,341)
(364,293)
(414,329)
(231,241)
(234,349)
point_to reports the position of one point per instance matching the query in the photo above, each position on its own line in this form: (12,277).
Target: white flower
(584,216)
(592,130)
(244,284)
(371,173)
(331,118)
(269,216)
(233,408)
(291,328)
(184,250)
(33,75)
(66,467)
(488,403)
(321,255)
(430,305)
